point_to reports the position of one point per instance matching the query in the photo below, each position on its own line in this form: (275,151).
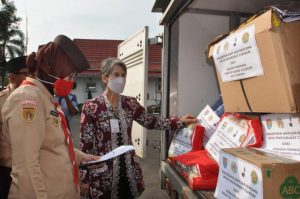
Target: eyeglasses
(71,76)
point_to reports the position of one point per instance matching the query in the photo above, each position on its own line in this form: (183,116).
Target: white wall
(152,91)
(197,84)
(80,90)
(82,94)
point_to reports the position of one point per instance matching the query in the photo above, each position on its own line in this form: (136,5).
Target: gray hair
(108,64)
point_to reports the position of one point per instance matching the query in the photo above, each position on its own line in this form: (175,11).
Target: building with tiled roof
(154,60)
(97,50)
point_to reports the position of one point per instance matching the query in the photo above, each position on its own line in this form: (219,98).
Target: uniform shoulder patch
(29,102)
(29,109)
(29,113)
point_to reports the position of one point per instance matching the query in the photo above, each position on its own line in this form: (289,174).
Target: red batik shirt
(97,138)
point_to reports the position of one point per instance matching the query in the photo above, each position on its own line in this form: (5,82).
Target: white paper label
(209,120)
(238,179)
(227,135)
(237,57)
(182,142)
(281,135)
(114,125)
(114,153)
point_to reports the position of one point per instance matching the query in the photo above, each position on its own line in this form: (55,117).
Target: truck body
(189,79)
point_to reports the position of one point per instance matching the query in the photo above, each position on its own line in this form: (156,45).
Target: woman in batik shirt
(106,124)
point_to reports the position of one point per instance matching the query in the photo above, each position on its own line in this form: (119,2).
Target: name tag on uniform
(54,113)
(114,125)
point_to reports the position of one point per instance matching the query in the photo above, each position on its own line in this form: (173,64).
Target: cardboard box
(248,173)
(281,135)
(277,89)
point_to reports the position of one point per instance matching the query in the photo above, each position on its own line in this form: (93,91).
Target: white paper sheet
(238,178)
(114,153)
(182,141)
(237,56)
(209,119)
(227,135)
(281,135)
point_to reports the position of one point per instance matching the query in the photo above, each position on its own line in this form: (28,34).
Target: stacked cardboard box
(248,173)
(276,88)
(258,70)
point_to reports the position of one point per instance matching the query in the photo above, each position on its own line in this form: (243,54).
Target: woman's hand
(88,157)
(188,119)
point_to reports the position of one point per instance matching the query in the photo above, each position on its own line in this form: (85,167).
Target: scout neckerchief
(67,137)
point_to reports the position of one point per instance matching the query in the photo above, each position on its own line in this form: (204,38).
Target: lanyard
(67,137)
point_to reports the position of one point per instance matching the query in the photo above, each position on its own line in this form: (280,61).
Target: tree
(11,37)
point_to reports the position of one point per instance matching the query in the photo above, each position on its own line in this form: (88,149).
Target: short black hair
(16,64)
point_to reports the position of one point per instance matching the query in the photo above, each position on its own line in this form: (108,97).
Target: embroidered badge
(28,114)
(55,121)
(29,102)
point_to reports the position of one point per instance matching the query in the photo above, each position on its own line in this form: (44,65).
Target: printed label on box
(237,57)
(227,135)
(209,120)
(238,179)
(182,142)
(281,135)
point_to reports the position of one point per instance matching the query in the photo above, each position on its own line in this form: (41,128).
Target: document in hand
(114,153)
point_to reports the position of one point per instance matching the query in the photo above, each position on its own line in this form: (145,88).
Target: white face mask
(117,85)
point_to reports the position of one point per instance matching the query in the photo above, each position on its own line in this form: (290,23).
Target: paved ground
(150,165)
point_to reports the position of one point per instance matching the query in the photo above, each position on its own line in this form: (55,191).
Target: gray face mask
(117,85)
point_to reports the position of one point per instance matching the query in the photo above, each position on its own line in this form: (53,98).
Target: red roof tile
(154,60)
(91,72)
(98,50)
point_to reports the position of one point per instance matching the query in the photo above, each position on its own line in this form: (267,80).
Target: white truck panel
(134,53)
(197,85)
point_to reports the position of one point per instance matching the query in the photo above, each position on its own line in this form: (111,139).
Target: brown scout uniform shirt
(5,148)
(41,165)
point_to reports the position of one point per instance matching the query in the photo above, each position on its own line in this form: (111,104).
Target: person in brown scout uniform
(17,72)
(44,162)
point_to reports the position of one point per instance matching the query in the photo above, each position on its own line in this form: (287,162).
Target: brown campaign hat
(73,52)
(16,64)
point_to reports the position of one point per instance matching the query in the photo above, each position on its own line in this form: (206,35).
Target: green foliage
(5,81)
(11,37)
